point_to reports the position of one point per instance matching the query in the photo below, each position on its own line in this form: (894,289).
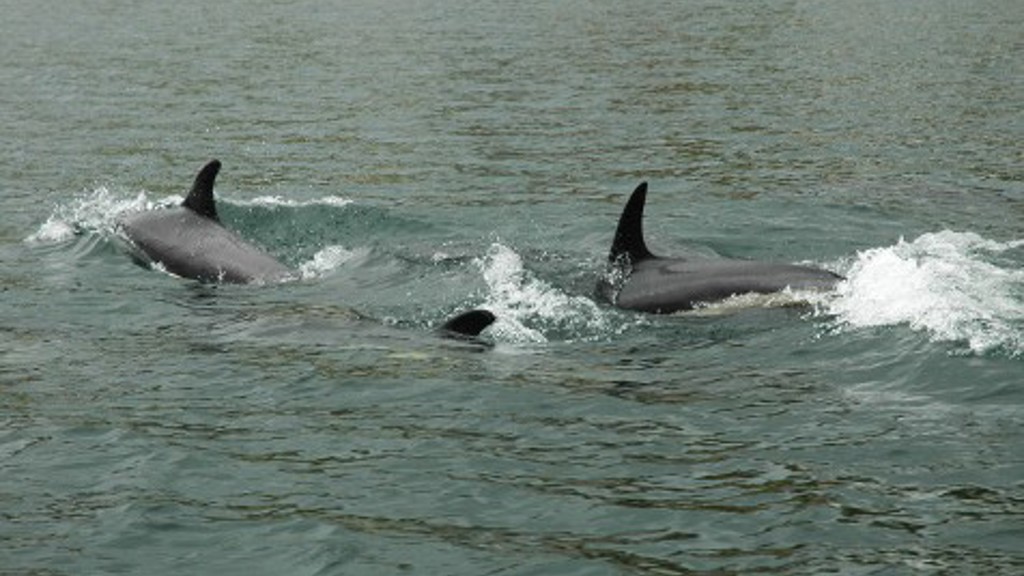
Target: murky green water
(413,159)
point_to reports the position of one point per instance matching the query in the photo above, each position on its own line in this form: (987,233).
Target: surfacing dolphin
(639,280)
(190,241)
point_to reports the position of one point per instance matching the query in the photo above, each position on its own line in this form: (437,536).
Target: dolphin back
(193,246)
(639,280)
(190,241)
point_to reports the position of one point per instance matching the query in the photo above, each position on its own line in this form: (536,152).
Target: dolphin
(190,241)
(639,280)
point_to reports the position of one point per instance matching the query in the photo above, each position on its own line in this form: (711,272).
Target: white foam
(518,298)
(53,231)
(948,284)
(325,261)
(275,201)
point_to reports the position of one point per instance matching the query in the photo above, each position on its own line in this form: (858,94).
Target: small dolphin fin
(629,236)
(200,198)
(470,323)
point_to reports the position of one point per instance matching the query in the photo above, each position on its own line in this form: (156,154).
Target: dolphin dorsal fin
(200,198)
(629,236)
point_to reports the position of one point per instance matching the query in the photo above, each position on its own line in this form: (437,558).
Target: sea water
(412,160)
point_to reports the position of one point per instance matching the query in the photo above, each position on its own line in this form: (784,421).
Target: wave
(957,287)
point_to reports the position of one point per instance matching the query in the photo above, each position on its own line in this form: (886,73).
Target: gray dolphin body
(190,241)
(639,280)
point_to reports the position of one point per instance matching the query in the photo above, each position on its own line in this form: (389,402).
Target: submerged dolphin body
(190,241)
(639,280)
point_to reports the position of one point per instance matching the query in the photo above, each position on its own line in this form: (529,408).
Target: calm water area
(412,159)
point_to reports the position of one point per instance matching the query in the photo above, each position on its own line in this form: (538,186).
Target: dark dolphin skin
(467,324)
(190,241)
(639,280)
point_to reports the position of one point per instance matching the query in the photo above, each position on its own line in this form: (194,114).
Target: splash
(325,261)
(520,299)
(97,211)
(957,287)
